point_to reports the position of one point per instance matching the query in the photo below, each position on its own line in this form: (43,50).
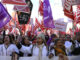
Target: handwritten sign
(60,25)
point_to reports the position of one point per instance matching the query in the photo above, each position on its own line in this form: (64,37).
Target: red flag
(15,2)
(78,14)
(68,11)
(37,22)
(36,26)
(40,25)
(41,8)
(22,8)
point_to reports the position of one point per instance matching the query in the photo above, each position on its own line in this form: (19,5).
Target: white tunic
(8,51)
(26,49)
(36,51)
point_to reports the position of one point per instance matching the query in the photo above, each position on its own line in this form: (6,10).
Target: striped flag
(78,14)
(68,11)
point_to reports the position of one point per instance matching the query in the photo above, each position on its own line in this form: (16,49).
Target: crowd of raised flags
(26,39)
(23,10)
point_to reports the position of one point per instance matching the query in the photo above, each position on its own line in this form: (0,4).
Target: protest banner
(60,25)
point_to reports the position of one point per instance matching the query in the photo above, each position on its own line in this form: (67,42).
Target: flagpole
(15,25)
(73,27)
(24,29)
(75,22)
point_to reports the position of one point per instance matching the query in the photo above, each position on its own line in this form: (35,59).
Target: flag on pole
(25,9)
(78,14)
(4,16)
(41,8)
(40,25)
(68,11)
(47,15)
(23,17)
(14,2)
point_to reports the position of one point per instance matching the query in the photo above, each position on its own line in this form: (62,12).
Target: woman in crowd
(51,40)
(40,48)
(69,44)
(58,50)
(24,47)
(7,48)
(76,50)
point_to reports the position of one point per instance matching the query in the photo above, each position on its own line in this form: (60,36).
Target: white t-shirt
(8,51)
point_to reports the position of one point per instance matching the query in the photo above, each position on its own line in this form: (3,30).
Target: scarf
(40,51)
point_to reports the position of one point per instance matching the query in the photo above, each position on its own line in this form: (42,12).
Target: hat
(41,35)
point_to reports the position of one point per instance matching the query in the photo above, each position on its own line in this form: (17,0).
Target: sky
(56,6)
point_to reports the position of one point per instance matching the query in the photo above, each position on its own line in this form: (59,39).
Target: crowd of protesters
(40,45)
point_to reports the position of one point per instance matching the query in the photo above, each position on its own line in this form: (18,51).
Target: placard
(60,25)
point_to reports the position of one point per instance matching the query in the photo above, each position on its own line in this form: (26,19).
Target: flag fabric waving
(78,14)
(41,8)
(4,16)
(23,17)
(68,11)
(25,9)
(47,15)
(14,2)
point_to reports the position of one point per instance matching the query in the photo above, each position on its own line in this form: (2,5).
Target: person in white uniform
(7,48)
(68,44)
(25,47)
